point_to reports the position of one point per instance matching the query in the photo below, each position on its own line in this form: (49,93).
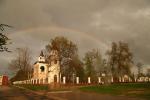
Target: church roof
(42,54)
(40,62)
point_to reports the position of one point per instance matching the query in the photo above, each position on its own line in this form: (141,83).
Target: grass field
(141,90)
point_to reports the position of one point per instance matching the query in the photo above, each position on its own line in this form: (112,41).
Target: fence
(99,80)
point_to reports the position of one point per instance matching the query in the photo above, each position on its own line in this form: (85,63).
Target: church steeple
(41,57)
(42,54)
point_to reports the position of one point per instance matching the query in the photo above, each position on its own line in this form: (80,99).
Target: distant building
(47,70)
(3,80)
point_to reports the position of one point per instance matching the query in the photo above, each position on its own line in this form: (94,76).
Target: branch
(4,25)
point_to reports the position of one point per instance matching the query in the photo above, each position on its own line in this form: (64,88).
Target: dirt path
(12,93)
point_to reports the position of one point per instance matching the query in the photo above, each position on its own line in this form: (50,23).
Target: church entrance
(55,78)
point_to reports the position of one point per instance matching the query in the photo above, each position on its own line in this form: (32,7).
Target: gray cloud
(89,23)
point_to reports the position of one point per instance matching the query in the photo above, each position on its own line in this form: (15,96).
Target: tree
(112,57)
(148,72)
(3,38)
(98,61)
(67,51)
(76,68)
(93,62)
(21,64)
(139,66)
(89,68)
(120,59)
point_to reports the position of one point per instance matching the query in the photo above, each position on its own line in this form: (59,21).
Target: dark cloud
(89,23)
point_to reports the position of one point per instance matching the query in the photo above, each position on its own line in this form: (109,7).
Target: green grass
(129,89)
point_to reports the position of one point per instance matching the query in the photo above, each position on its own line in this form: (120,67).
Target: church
(47,70)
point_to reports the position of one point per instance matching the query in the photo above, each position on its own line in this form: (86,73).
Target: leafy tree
(3,38)
(76,68)
(113,57)
(89,64)
(120,59)
(93,64)
(98,62)
(67,52)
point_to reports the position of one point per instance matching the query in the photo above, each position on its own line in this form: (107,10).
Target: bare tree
(148,72)
(22,63)
(139,66)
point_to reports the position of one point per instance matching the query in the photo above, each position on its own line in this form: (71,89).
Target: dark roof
(42,54)
(40,62)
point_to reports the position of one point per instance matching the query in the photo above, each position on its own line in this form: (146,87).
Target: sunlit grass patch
(128,89)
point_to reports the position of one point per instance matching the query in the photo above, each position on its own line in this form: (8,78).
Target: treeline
(118,63)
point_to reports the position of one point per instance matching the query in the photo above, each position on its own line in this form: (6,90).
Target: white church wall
(43,71)
(53,70)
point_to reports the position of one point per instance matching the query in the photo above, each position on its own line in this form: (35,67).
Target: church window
(55,62)
(42,68)
(55,78)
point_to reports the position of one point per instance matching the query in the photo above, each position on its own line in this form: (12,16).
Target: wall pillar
(119,79)
(77,80)
(64,80)
(99,80)
(89,80)
(146,79)
(112,79)
(135,79)
(123,79)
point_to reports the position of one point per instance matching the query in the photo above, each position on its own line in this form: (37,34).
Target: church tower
(40,68)
(54,69)
(47,70)
(41,57)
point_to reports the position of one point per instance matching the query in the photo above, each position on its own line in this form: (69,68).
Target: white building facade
(47,71)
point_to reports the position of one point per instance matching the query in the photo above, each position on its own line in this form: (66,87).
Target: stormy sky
(88,23)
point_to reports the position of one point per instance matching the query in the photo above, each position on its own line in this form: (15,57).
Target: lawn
(129,89)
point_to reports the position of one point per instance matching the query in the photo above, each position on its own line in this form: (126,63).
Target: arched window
(42,68)
(55,61)
(55,78)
